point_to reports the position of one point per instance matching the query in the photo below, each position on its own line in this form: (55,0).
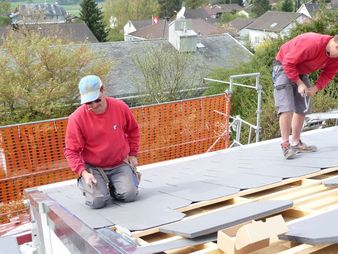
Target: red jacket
(102,140)
(306,53)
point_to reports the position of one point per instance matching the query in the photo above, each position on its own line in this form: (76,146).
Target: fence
(32,154)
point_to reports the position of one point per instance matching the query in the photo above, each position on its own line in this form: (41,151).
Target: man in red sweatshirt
(102,141)
(297,58)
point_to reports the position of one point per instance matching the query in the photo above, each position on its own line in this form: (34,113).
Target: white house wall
(304,11)
(256,36)
(128,28)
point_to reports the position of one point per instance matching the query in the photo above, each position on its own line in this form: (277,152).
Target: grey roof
(222,8)
(312,7)
(69,32)
(219,51)
(160,30)
(274,21)
(140,23)
(47,9)
(240,23)
(199,13)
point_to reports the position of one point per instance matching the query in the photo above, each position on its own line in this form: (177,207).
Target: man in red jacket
(102,141)
(297,58)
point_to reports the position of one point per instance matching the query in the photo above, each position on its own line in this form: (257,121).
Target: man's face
(334,50)
(98,106)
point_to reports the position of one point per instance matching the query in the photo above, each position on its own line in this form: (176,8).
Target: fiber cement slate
(206,191)
(332,182)
(172,185)
(9,245)
(212,222)
(180,243)
(320,229)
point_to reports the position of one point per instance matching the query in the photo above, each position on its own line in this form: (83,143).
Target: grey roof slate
(140,23)
(219,51)
(274,21)
(199,13)
(46,8)
(312,7)
(69,32)
(240,23)
(160,30)
(164,188)
(318,229)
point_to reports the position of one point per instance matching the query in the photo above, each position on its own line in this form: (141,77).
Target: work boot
(288,152)
(303,148)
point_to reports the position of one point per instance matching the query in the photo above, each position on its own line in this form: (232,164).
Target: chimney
(181,35)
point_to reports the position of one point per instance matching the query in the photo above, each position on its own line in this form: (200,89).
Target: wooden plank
(304,249)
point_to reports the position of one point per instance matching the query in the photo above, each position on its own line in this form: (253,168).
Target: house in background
(239,25)
(67,32)
(206,52)
(212,13)
(39,13)
(309,9)
(271,25)
(161,28)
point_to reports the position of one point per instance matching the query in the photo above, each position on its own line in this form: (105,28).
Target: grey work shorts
(287,98)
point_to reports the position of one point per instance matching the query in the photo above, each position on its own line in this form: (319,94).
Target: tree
(241,103)
(169,7)
(5,7)
(121,11)
(39,76)
(260,7)
(166,72)
(92,15)
(287,6)
(192,4)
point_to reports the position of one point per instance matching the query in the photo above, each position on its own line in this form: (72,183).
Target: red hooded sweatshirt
(102,140)
(306,53)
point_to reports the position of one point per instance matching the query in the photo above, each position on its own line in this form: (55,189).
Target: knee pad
(97,202)
(127,196)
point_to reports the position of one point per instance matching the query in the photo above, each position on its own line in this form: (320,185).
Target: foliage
(192,4)
(92,15)
(4,21)
(287,5)
(39,77)
(115,35)
(166,72)
(124,10)
(244,102)
(260,7)
(169,7)
(228,17)
(5,7)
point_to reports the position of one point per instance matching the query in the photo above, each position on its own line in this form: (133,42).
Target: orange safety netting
(32,154)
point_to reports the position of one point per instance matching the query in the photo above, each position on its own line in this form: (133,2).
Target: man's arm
(133,135)
(74,147)
(326,76)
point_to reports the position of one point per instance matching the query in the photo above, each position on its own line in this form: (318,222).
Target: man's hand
(312,91)
(88,177)
(302,89)
(132,161)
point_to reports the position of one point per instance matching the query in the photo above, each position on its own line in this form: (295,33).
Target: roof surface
(170,185)
(160,29)
(273,21)
(218,51)
(69,32)
(240,23)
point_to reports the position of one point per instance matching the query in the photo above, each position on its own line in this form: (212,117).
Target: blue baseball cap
(89,87)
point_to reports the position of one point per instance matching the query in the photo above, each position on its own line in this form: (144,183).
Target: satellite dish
(180,14)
